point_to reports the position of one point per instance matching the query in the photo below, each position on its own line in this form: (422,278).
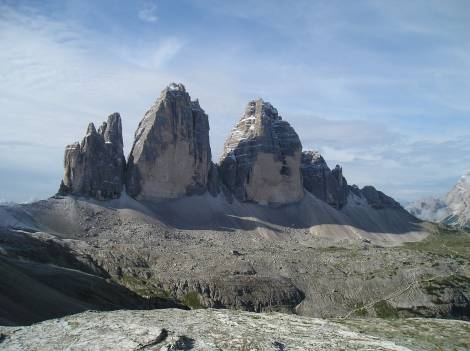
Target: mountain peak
(261,158)
(452,209)
(171,155)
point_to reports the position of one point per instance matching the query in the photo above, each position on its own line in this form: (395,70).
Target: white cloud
(407,170)
(151,55)
(148,12)
(56,76)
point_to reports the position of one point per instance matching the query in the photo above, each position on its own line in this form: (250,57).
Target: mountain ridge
(450,209)
(185,235)
(262,162)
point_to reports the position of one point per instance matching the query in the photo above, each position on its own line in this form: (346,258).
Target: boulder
(96,166)
(327,185)
(171,155)
(261,158)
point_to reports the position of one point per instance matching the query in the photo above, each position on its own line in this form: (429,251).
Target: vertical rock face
(458,202)
(261,158)
(315,173)
(96,166)
(327,185)
(338,188)
(171,155)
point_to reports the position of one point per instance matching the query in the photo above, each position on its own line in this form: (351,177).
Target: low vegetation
(445,241)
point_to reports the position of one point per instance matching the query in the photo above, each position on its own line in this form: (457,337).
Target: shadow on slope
(41,279)
(209,213)
(68,216)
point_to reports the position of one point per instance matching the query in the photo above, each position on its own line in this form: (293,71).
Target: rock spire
(261,158)
(171,155)
(96,166)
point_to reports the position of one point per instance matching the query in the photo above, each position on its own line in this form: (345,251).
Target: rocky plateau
(210,329)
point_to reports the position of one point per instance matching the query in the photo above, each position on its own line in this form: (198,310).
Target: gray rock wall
(327,185)
(96,166)
(261,158)
(171,155)
(378,199)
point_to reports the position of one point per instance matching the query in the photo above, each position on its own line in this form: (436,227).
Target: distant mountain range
(452,209)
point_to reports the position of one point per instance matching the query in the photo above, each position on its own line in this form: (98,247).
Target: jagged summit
(112,131)
(95,167)
(331,186)
(261,158)
(262,161)
(171,155)
(327,185)
(375,198)
(176,87)
(458,202)
(90,129)
(261,122)
(223,235)
(452,209)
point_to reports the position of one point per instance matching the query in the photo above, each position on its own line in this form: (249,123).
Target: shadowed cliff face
(95,167)
(42,278)
(328,185)
(261,159)
(171,155)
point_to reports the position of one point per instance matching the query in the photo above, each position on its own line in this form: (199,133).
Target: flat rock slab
(172,329)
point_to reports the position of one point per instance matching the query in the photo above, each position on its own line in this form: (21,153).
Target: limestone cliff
(95,167)
(171,155)
(261,158)
(327,185)
(452,209)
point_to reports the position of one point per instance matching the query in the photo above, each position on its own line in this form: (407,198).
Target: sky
(380,87)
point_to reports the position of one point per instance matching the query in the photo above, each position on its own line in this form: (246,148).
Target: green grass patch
(362,312)
(191,300)
(445,241)
(436,286)
(142,287)
(384,310)
(417,334)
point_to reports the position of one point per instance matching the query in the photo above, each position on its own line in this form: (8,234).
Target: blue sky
(380,87)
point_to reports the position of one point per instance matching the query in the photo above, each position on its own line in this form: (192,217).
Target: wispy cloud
(148,12)
(381,88)
(56,78)
(152,54)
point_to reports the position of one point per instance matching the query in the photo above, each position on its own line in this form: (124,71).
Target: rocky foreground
(173,329)
(68,255)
